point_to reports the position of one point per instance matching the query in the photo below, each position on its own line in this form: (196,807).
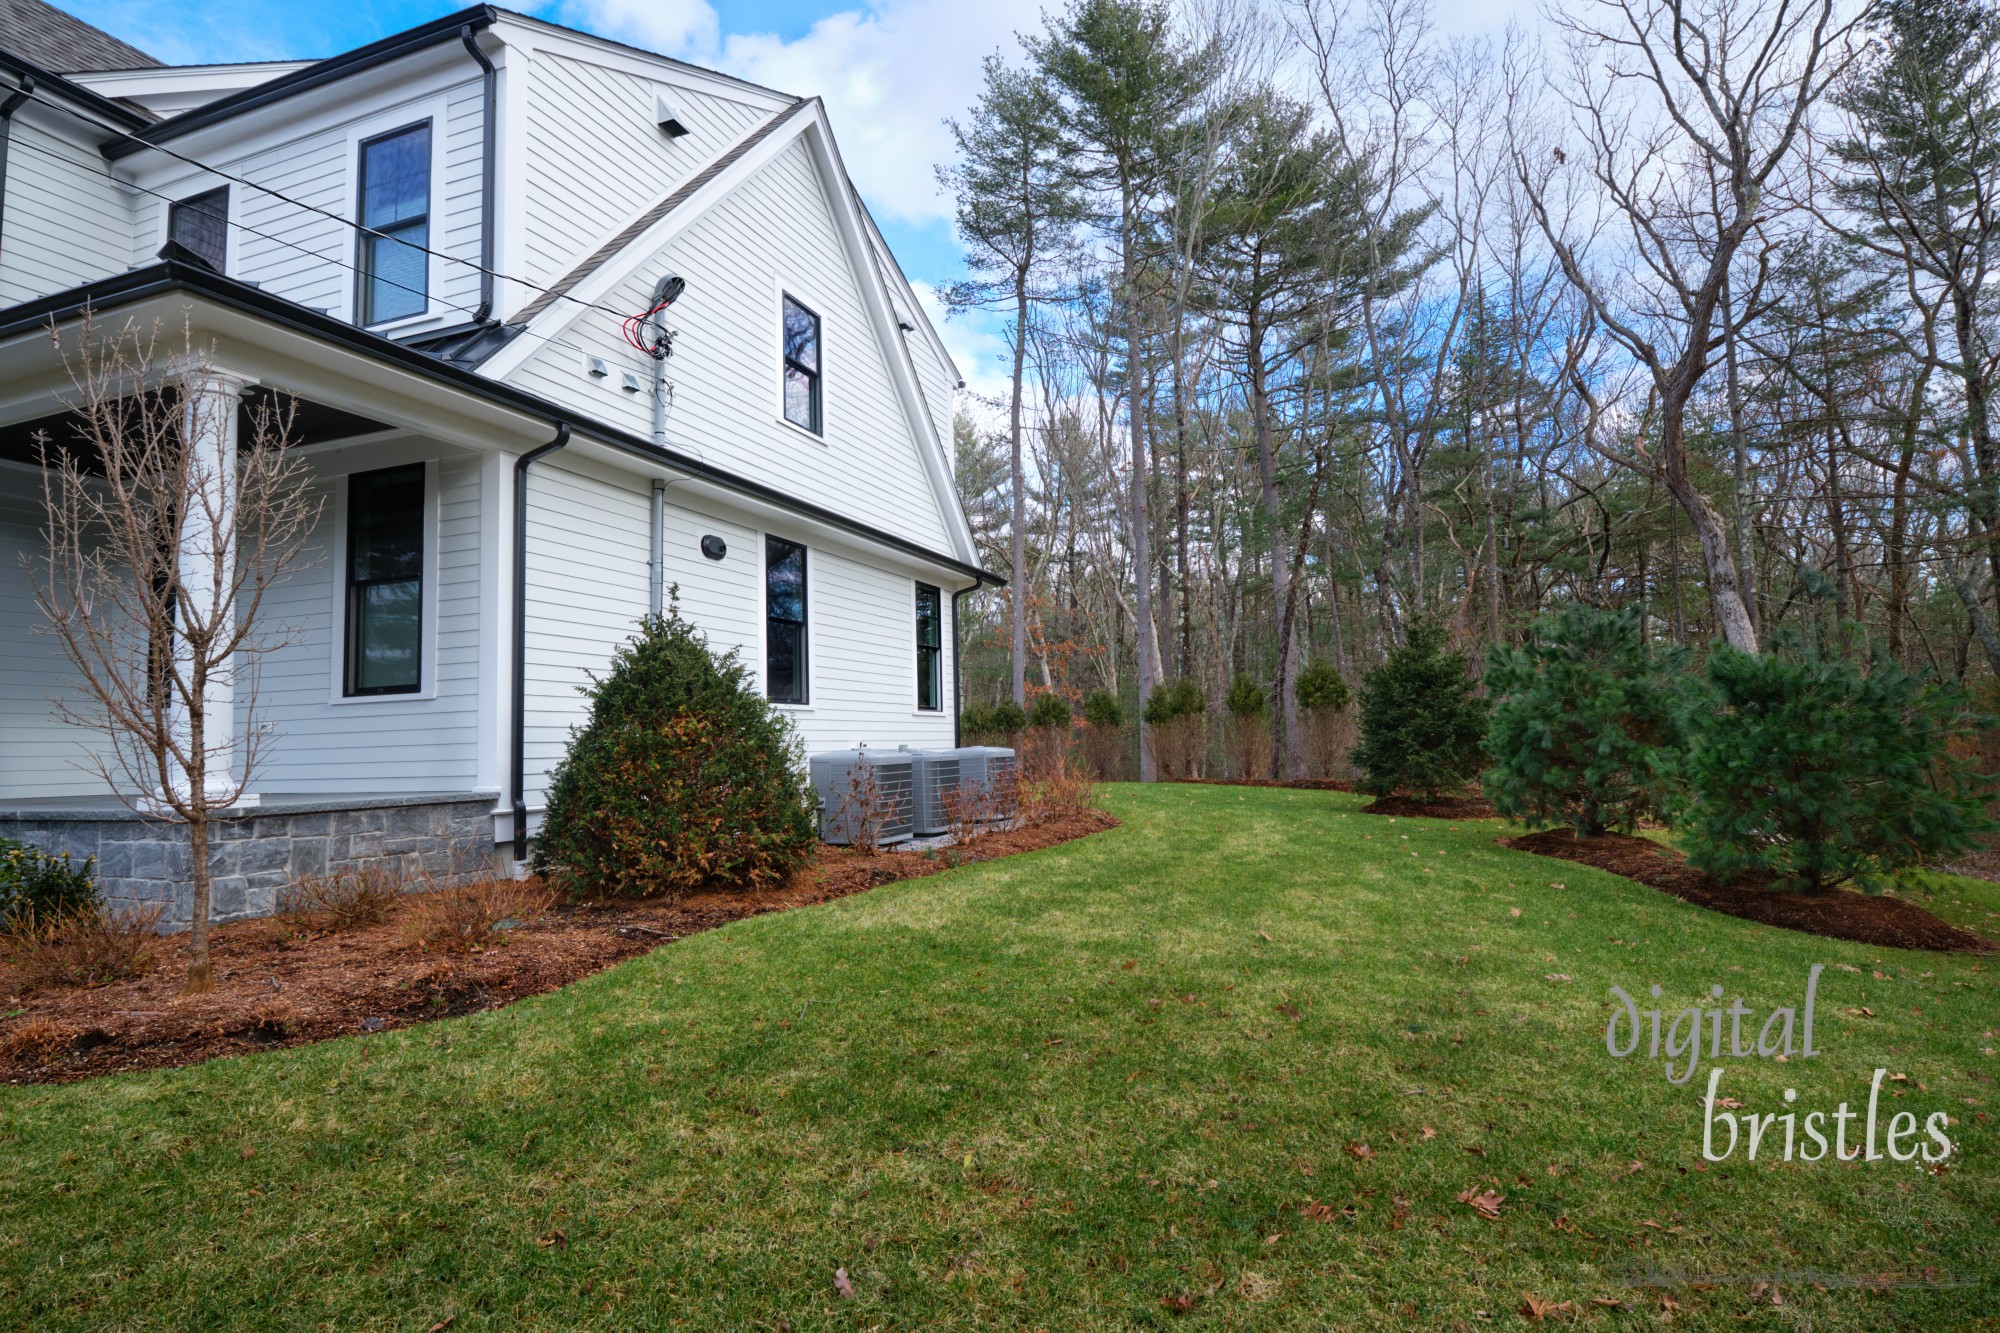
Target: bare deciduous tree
(163,533)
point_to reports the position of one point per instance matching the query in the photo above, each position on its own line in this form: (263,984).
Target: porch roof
(499,408)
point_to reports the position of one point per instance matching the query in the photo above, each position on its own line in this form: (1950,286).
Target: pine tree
(1421,723)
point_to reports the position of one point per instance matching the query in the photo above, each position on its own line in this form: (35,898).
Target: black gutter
(7,110)
(488,77)
(169,277)
(52,84)
(312,76)
(518,781)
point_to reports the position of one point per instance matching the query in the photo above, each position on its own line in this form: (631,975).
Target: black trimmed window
(395,192)
(802,367)
(385,581)
(784,621)
(201,224)
(930,648)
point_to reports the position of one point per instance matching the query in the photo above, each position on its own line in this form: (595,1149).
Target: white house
(437,245)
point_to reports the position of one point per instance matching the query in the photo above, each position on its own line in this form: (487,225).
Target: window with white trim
(394,188)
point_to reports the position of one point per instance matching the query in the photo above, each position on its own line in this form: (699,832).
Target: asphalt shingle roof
(43,35)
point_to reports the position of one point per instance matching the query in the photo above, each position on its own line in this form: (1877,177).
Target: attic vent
(669,117)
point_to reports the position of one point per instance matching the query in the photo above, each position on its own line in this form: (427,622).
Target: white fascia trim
(882,314)
(613,55)
(916,305)
(555,320)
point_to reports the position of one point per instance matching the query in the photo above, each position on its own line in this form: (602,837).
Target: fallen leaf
(1513,911)
(1728,1103)
(554,1240)
(841,1286)
(1429,1133)
(1863,1012)
(1560,976)
(1179,1304)
(1273,1239)
(441,1325)
(1535,1309)
(1316,1211)
(1607,1302)
(1131,963)
(1267,938)
(1485,1202)
(1359,1150)
(247,1153)
(1899,1078)
(1290,1011)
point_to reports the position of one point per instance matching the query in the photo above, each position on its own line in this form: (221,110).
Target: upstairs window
(930,648)
(395,193)
(802,396)
(385,581)
(784,621)
(201,223)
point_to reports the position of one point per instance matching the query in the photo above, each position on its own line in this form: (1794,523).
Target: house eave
(169,278)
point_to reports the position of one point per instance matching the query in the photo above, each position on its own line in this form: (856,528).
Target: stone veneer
(253,852)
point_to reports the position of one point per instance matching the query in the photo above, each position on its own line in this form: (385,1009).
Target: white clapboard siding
(427,743)
(40,754)
(774,232)
(291,249)
(587,587)
(596,156)
(67,221)
(589,528)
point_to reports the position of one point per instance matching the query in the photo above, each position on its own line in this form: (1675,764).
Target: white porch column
(206,567)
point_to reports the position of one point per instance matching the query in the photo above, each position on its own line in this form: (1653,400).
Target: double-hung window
(395,194)
(930,648)
(784,621)
(201,223)
(385,581)
(802,367)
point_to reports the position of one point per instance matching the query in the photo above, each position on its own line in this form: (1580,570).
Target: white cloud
(890,73)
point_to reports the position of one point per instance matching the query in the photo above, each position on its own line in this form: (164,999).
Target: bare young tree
(1687,110)
(163,532)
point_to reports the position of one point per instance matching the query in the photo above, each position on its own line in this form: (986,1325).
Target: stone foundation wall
(254,853)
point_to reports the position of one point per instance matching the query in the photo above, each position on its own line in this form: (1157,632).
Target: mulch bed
(1439,807)
(1296,784)
(1840,914)
(277,985)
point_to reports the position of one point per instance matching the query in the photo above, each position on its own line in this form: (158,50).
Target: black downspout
(488,77)
(7,110)
(519,785)
(957,669)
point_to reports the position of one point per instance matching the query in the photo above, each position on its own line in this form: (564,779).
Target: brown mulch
(279,985)
(1437,807)
(1840,914)
(1295,784)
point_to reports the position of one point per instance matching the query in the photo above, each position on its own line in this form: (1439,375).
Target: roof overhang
(290,347)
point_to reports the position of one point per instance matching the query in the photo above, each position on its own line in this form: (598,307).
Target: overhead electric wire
(329,214)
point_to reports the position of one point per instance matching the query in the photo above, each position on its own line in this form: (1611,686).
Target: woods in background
(1324,325)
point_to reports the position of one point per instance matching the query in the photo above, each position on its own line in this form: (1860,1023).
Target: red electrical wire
(633,326)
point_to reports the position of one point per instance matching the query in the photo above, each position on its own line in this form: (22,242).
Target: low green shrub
(1421,724)
(975,721)
(1005,718)
(1174,700)
(1102,709)
(682,776)
(1320,686)
(35,883)
(1807,767)
(1587,723)
(1177,727)
(1246,698)
(1048,709)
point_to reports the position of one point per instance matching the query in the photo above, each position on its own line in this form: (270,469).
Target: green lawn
(1049,1092)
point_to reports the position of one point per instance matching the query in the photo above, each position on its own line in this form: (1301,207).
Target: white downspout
(657,558)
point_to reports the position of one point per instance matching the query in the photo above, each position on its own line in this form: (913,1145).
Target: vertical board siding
(377,745)
(67,221)
(596,157)
(40,754)
(773,231)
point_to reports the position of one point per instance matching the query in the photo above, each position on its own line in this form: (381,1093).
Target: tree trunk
(1745,567)
(1732,616)
(1142,555)
(1019,600)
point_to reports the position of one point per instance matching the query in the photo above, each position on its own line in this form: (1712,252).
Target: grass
(1052,1092)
